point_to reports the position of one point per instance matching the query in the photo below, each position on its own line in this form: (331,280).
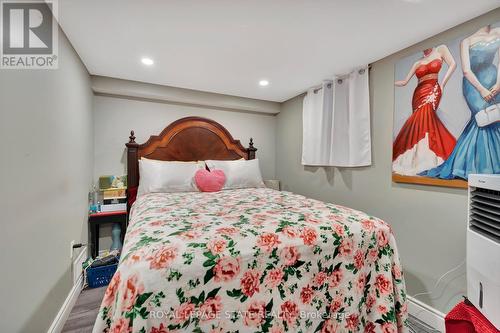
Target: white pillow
(239,173)
(163,176)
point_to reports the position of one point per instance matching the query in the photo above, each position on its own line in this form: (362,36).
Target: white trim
(63,314)
(426,313)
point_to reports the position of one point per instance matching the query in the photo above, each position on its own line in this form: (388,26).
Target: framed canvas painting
(447,111)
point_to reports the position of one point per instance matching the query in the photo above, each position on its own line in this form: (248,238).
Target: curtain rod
(339,81)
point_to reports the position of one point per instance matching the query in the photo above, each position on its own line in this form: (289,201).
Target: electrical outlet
(71,249)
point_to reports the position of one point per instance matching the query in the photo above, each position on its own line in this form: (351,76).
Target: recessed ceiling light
(147,61)
(263,83)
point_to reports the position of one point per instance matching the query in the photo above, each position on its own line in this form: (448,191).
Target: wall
(158,93)
(429,222)
(46,131)
(115,117)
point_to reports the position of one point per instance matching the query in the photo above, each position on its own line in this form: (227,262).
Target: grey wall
(429,222)
(46,145)
(115,117)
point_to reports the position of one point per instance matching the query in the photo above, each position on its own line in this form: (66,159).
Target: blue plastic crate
(100,276)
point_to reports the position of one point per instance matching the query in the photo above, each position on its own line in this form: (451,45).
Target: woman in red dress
(424,142)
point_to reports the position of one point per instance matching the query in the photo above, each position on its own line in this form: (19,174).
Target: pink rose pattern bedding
(253,260)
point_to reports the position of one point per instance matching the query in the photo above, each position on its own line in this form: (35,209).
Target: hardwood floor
(84,313)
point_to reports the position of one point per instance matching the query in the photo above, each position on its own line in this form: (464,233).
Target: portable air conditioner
(483,246)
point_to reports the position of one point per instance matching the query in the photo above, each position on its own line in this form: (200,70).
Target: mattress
(253,260)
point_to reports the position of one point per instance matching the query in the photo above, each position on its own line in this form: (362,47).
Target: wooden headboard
(186,139)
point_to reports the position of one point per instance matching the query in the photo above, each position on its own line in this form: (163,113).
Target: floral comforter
(253,260)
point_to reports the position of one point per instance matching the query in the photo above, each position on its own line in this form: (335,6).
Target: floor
(84,313)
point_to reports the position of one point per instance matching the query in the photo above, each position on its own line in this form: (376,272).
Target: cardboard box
(114,193)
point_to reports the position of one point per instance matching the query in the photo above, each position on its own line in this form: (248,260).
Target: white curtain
(317,122)
(336,122)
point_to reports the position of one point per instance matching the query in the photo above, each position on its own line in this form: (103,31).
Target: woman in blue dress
(478,147)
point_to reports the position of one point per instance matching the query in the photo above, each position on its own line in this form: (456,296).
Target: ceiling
(227,46)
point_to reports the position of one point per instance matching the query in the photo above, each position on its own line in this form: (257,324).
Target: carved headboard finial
(251,150)
(132,137)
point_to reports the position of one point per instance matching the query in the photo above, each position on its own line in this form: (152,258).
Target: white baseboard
(65,310)
(426,313)
(63,314)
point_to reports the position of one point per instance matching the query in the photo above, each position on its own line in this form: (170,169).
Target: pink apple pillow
(210,181)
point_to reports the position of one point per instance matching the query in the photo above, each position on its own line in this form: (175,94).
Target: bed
(247,260)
